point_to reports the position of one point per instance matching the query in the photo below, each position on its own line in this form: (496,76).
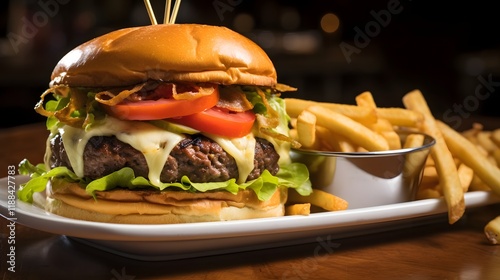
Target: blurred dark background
(329,50)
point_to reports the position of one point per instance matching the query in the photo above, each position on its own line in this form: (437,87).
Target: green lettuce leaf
(294,175)
(40,177)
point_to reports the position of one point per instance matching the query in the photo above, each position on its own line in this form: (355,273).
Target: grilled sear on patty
(197,156)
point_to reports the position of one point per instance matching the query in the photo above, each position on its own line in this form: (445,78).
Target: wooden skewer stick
(150,12)
(176,9)
(168,6)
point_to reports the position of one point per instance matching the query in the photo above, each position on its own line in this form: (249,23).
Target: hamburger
(168,123)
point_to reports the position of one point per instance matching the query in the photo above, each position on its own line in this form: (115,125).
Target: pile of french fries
(459,161)
(348,128)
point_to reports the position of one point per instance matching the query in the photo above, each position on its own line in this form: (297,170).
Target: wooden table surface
(433,250)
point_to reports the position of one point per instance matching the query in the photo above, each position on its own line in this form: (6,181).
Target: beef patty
(196,156)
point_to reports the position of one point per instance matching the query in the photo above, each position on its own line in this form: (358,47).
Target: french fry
(382,126)
(303,209)
(319,198)
(395,116)
(465,174)
(392,139)
(363,115)
(429,162)
(306,129)
(414,160)
(471,134)
(496,156)
(484,139)
(469,154)
(400,116)
(473,131)
(480,148)
(430,175)
(478,185)
(495,136)
(492,230)
(361,150)
(413,141)
(329,141)
(326,141)
(445,165)
(365,99)
(352,130)
(425,193)
(344,145)
(492,159)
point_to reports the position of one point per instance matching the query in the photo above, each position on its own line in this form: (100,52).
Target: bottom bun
(125,206)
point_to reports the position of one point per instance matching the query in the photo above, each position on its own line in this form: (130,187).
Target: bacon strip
(233,99)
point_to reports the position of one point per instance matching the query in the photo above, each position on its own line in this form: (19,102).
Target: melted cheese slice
(242,150)
(155,143)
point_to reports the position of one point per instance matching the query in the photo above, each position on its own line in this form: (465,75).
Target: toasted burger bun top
(168,52)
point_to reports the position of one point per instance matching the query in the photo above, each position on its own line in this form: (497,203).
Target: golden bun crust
(152,207)
(168,52)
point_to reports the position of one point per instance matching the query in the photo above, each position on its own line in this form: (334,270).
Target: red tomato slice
(162,108)
(220,122)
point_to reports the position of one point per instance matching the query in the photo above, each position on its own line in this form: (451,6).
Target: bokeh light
(243,23)
(330,23)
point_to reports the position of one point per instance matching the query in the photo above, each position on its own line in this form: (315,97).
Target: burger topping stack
(135,117)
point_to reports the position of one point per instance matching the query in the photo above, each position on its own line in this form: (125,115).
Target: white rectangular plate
(176,241)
